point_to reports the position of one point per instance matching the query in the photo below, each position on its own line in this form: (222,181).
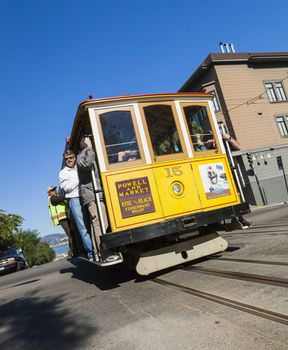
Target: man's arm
(234,143)
(86,159)
(57,199)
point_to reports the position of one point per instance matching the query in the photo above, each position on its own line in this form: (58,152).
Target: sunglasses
(70,157)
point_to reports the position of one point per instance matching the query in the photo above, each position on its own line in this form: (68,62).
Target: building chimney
(227,47)
(221,47)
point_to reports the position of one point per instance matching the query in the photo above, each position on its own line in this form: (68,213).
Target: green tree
(35,251)
(11,235)
(9,225)
(44,254)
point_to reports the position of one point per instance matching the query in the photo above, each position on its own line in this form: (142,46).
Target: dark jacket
(85,164)
(55,200)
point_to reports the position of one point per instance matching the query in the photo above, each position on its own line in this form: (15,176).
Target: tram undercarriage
(180,252)
(157,247)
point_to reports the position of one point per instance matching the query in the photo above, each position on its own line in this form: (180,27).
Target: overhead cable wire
(254,99)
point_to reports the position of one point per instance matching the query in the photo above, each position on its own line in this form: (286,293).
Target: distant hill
(50,239)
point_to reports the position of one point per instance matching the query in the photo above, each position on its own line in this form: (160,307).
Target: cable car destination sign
(135,197)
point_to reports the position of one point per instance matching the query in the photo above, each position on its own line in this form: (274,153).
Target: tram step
(106,263)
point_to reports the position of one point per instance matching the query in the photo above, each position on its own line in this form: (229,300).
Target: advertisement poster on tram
(214,180)
(135,197)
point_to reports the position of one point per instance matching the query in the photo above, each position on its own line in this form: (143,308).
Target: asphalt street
(70,304)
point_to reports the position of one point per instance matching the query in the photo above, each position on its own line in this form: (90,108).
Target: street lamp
(251,158)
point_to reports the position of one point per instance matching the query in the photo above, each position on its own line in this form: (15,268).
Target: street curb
(256,207)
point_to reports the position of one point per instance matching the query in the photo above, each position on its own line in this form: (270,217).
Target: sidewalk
(256,207)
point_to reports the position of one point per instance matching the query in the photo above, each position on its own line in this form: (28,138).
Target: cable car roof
(83,106)
(143,97)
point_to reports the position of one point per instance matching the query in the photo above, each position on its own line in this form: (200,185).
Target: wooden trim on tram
(126,164)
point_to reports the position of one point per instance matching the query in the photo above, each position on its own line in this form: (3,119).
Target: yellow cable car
(164,174)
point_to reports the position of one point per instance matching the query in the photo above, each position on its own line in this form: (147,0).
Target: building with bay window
(251,99)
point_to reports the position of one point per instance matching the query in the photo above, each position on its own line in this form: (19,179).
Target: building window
(275,91)
(215,102)
(282,123)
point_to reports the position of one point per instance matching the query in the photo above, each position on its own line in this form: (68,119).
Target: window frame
(83,128)
(208,152)
(126,164)
(165,157)
(275,91)
(285,120)
(215,99)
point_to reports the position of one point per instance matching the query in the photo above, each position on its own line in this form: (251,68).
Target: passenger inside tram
(128,155)
(210,143)
(162,130)
(200,128)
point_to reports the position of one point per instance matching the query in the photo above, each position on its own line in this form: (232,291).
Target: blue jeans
(76,210)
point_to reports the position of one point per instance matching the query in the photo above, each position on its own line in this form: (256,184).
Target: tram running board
(104,264)
(180,253)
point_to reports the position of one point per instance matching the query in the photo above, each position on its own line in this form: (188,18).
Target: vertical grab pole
(222,128)
(98,202)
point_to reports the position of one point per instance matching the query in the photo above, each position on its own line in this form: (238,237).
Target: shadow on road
(36,323)
(113,277)
(103,278)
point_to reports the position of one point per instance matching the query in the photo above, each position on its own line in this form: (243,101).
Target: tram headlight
(177,188)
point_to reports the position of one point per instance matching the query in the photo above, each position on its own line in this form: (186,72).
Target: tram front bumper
(179,225)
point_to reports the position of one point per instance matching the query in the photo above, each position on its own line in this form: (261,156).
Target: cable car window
(200,130)
(162,130)
(119,136)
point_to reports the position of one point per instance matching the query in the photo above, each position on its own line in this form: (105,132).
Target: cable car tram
(164,174)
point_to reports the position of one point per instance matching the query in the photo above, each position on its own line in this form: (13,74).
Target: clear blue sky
(54,53)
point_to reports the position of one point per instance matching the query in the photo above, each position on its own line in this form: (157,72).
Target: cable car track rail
(254,310)
(248,261)
(273,281)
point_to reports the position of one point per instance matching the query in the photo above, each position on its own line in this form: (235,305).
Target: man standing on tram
(69,182)
(58,210)
(86,164)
